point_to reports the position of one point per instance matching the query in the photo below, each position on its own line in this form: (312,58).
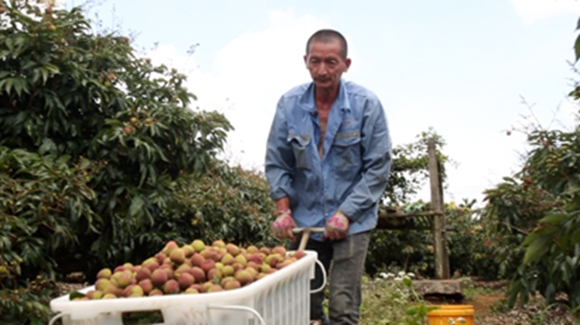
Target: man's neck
(325,96)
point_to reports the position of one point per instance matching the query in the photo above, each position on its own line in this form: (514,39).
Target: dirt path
(482,303)
(531,314)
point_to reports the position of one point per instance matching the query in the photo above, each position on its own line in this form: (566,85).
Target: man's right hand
(282,227)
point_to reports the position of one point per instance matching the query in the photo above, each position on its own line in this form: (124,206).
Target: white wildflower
(386,276)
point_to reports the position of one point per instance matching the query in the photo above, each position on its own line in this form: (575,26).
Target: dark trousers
(343,261)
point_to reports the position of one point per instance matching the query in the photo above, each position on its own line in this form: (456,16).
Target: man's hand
(282,227)
(337,226)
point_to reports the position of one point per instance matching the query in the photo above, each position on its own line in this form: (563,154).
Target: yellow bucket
(460,314)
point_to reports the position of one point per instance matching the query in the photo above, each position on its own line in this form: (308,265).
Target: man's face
(326,64)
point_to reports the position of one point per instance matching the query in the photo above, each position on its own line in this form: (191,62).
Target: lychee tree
(81,109)
(537,212)
(410,168)
(226,203)
(406,249)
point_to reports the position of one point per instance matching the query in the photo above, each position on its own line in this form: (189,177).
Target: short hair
(327,36)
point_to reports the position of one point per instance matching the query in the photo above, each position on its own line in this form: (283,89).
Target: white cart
(281,298)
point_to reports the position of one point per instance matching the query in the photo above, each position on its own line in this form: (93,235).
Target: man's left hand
(337,226)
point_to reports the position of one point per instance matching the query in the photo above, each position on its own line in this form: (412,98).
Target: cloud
(253,71)
(249,75)
(534,10)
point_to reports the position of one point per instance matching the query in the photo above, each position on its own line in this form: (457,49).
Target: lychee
(159,277)
(233,284)
(146,285)
(198,245)
(215,288)
(244,277)
(197,259)
(171,286)
(177,256)
(104,274)
(156,292)
(207,265)
(186,280)
(143,273)
(198,274)
(280,250)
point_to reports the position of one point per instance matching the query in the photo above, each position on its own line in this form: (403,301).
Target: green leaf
(550,291)
(577,48)
(28,65)
(536,249)
(540,232)
(84,164)
(44,73)
(75,294)
(576,237)
(63,159)
(20,85)
(136,206)
(7,83)
(572,261)
(554,218)
(52,68)
(9,43)
(47,146)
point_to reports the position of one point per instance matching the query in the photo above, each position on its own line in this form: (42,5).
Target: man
(328,159)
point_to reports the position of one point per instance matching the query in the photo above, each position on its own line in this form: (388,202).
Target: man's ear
(306,60)
(347,62)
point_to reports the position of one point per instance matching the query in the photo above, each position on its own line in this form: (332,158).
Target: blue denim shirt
(353,171)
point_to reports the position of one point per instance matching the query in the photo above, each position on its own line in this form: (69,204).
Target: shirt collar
(307,100)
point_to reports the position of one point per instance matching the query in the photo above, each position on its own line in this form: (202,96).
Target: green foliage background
(102,160)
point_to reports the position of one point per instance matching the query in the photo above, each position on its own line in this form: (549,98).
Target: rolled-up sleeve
(280,158)
(377,160)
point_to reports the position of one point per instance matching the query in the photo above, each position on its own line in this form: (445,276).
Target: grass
(391,300)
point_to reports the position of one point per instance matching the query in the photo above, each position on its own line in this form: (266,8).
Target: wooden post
(441,259)
(446,267)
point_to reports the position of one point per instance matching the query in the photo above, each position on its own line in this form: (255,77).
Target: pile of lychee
(191,269)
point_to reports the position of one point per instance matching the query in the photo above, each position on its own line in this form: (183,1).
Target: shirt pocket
(300,144)
(347,150)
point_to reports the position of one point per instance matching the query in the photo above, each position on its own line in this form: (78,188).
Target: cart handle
(242,308)
(56,317)
(323,278)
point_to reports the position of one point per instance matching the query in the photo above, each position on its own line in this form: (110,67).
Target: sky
(470,70)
